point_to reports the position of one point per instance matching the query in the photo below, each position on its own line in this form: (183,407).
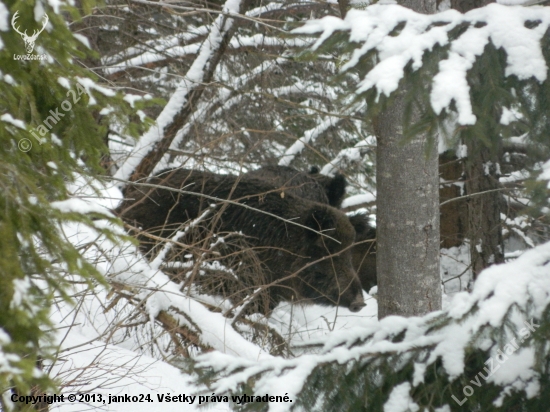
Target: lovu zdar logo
(29,40)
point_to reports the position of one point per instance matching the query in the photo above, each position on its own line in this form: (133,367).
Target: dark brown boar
(302,263)
(313,186)
(328,190)
(335,187)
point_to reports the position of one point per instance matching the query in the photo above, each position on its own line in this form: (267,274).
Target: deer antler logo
(29,40)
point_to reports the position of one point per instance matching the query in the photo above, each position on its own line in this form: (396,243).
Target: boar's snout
(357,304)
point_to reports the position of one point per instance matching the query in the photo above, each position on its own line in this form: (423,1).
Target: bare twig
(472,195)
(227,201)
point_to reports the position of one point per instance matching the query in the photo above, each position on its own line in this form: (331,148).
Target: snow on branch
(177,51)
(225,99)
(312,134)
(545,175)
(169,46)
(505,299)
(154,144)
(216,331)
(309,136)
(348,156)
(163,301)
(400,36)
(153,50)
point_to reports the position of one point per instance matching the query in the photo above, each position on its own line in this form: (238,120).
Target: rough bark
(454,216)
(407,179)
(420,6)
(484,223)
(343,6)
(407,220)
(466,5)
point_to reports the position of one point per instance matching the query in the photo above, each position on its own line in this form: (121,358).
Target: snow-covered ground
(111,344)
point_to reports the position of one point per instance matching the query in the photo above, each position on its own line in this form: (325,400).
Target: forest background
(460,102)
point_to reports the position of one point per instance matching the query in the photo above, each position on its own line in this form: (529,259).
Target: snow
(171,49)
(400,400)
(106,110)
(39,11)
(510,115)
(151,57)
(348,156)
(504,26)
(508,31)
(8,118)
(56,4)
(9,79)
(82,39)
(21,289)
(545,175)
(124,264)
(132,98)
(178,100)
(227,98)
(498,289)
(102,354)
(308,137)
(168,45)
(63,81)
(89,84)
(516,365)
(358,200)
(4,19)
(80,206)
(456,273)
(100,357)
(451,84)
(105,369)
(512,2)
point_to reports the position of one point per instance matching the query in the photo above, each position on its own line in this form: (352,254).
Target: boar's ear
(363,230)
(320,219)
(336,189)
(360,223)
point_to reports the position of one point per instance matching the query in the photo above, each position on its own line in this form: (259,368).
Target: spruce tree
(488,349)
(407,219)
(53,120)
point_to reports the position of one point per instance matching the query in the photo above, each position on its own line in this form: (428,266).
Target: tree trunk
(484,225)
(409,283)
(454,215)
(343,6)
(482,173)
(466,5)
(407,220)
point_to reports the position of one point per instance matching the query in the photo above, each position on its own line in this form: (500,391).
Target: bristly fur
(282,247)
(329,190)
